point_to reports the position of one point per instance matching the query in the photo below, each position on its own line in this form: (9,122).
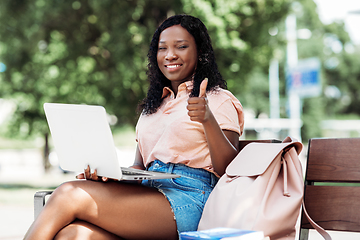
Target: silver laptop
(82,136)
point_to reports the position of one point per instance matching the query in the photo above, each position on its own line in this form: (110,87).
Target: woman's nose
(171,55)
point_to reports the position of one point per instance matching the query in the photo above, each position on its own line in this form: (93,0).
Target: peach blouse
(170,136)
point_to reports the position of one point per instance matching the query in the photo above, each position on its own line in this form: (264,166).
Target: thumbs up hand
(197,107)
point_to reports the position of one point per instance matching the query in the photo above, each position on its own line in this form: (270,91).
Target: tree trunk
(46,161)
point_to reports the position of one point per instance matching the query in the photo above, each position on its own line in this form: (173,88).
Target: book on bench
(224,234)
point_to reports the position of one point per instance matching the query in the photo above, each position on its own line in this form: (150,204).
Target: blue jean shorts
(187,195)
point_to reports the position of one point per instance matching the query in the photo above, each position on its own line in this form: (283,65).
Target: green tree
(91,52)
(94,52)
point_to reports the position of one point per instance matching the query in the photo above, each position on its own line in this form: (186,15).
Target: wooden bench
(332,189)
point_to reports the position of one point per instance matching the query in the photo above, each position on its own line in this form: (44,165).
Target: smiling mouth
(173,66)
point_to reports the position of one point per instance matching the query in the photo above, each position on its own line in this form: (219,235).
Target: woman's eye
(161,48)
(183,47)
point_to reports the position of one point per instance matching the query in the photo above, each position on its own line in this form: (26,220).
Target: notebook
(82,136)
(223,233)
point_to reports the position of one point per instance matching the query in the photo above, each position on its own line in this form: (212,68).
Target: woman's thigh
(130,211)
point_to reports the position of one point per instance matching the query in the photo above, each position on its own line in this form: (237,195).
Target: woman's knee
(68,232)
(73,231)
(69,194)
(65,190)
(80,230)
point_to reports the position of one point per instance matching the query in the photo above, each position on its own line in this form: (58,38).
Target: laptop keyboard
(126,172)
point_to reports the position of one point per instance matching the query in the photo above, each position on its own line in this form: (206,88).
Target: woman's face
(177,54)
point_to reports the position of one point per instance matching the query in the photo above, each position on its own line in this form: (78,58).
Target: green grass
(124,136)
(17,195)
(13,143)
(337,184)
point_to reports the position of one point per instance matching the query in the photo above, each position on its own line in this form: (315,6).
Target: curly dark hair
(206,65)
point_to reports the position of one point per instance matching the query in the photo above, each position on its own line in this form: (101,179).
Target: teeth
(172,66)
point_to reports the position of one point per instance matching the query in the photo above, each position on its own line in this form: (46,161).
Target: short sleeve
(228,112)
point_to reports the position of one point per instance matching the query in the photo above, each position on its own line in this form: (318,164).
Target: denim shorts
(187,195)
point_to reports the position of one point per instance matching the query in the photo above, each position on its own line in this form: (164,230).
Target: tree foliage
(94,52)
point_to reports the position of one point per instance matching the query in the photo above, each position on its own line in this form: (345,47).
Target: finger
(197,112)
(197,118)
(94,176)
(87,172)
(196,101)
(203,86)
(80,176)
(105,179)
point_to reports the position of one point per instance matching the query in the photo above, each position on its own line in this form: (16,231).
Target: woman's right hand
(138,164)
(91,176)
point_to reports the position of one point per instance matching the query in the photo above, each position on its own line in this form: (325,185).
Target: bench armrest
(39,201)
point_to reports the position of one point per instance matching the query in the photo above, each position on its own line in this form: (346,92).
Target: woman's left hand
(91,176)
(223,144)
(197,107)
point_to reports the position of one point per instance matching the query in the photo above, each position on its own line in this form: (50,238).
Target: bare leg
(129,211)
(79,230)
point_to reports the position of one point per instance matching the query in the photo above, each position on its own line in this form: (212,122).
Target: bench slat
(334,160)
(325,204)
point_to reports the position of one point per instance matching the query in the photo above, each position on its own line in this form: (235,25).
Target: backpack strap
(319,229)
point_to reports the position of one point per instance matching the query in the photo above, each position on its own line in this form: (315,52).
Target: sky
(332,10)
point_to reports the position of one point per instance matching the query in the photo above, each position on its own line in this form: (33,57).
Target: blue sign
(2,67)
(304,79)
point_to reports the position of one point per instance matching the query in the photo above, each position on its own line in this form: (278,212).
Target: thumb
(203,86)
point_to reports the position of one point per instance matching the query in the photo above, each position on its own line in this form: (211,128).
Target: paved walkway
(21,175)
(15,221)
(16,203)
